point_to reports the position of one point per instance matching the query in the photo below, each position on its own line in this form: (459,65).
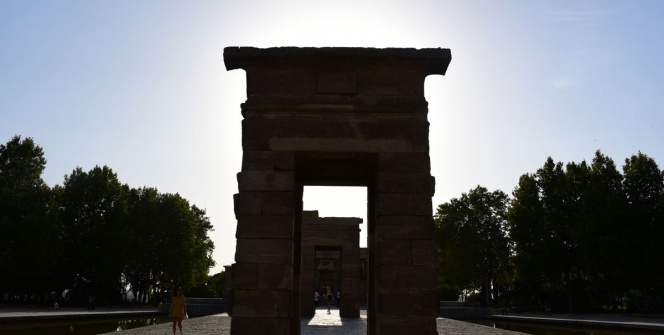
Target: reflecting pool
(91,326)
(553,329)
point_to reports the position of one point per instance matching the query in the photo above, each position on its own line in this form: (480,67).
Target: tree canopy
(578,236)
(94,235)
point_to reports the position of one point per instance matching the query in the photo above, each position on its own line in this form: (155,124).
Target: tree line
(573,237)
(95,236)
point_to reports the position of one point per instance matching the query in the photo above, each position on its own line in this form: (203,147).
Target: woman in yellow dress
(178,309)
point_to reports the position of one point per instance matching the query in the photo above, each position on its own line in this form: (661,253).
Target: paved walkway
(320,324)
(328,324)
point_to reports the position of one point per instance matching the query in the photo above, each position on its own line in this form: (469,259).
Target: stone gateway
(335,117)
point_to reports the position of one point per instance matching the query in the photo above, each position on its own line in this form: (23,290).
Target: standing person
(329,298)
(178,308)
(338,298)
(316,296)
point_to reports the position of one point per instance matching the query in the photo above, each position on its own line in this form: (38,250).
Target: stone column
(405,257)
(263,269)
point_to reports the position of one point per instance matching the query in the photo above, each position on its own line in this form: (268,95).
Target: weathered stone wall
(335,233)
(335,116)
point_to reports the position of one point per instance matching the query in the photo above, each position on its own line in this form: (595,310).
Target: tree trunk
(495,288)
(487,289)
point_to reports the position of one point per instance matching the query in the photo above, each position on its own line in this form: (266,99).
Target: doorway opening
(338,201)
(333,254)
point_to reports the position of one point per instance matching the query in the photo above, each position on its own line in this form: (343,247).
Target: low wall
(462,310)
(199,306)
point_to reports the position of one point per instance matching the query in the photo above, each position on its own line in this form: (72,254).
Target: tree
(28,251)
(142,269)
(600,232)
(187,254)
(644,189)
(171,245)
(544,217)
(94,211)
(472,239)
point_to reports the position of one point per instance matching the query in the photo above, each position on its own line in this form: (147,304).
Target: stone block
(413,130)
(277,79)
(278,203)
(424,252)
(335,133)
(395,204)
(264,226)
(422,204)
(336,82)
(266,180)
(351,251)
(350,305)
(257,160)
(395,304)
(275,276)
(407,277)
(253,326)
(425,303)
(405,183)
(413,162)
(405,227)
(351,285)
(284,160)
(393,252)
(408,326)
(256,132)
(261,303)
(267,251)
(351,270)
(248,203)
(245,275)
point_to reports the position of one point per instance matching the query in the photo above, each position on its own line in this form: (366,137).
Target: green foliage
(94,235)
(30,242)
(588,232)
(212,287)
(472,239)
(583,236)
(94,213)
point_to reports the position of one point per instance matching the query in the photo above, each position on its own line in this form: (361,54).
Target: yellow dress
(177,307)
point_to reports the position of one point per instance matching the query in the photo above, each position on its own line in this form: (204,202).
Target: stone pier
(335,117)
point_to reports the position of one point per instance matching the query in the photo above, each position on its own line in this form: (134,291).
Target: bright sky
(141,86)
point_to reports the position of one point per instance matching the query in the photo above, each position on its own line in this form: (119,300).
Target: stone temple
(334,117)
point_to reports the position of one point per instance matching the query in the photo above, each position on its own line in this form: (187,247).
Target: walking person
(329,298)
(178,308)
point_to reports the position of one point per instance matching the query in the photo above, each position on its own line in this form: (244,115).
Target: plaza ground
(322,323)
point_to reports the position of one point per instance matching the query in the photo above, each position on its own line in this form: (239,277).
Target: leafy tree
(472,239)
(28,251)
(644,189)
(94,211)
(187,250)
(544,217)
(94,235)
(212,287)
(142,270)
(600,232)
(170,245)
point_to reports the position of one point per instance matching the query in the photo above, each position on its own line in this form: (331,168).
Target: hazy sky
(141,86)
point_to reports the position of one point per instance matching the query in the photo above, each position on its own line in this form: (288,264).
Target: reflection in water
(550,329)
(80,327)
(137,323)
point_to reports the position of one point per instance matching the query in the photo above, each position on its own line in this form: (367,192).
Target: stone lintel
(436,59)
